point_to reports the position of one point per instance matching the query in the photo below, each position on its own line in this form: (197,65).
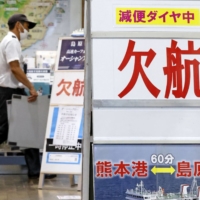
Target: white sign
(58,163)
(146,69)
(68,125)
(38,75)
(63,158)
(68,88)
(65,124)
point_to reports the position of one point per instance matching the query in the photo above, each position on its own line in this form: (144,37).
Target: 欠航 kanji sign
(177,71)
(68,87)
(78,87)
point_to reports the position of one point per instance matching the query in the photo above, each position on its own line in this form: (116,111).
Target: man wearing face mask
(11,75)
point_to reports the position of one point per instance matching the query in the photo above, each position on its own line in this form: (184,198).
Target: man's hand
(33,95)
(21,77)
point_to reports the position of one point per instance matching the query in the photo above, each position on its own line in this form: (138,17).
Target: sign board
(135,171)
(64,133)
(139,70)
(62,159)
(72,54)
(145,15)
(145,65)
(142,69)
(157,16)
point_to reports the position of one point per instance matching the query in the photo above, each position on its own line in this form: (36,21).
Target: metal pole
(83,13)
(87,106)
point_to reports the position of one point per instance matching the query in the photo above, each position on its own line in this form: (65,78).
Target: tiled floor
(19,187)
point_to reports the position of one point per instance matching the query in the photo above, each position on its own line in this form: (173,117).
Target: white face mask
(23,35)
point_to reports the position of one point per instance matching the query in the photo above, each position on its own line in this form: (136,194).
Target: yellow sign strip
(158,16)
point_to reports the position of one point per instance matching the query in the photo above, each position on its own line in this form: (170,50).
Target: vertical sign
(146,90)
(64,134)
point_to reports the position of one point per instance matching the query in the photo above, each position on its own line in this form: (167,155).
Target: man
(11,75)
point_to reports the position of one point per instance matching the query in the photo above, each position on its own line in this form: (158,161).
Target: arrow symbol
(169,170)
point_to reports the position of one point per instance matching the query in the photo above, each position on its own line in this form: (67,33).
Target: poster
(67,125)
(40,78)
(61,148)
(72,54)
(146,172)
(63,153)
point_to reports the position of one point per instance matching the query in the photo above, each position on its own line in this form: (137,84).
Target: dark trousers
(32,156)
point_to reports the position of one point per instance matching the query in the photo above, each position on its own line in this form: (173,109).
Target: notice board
(145,65)
(64,132)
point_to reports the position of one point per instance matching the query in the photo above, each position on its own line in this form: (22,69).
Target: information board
(64,132)
(145,66)
(59,158)
(160,171)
